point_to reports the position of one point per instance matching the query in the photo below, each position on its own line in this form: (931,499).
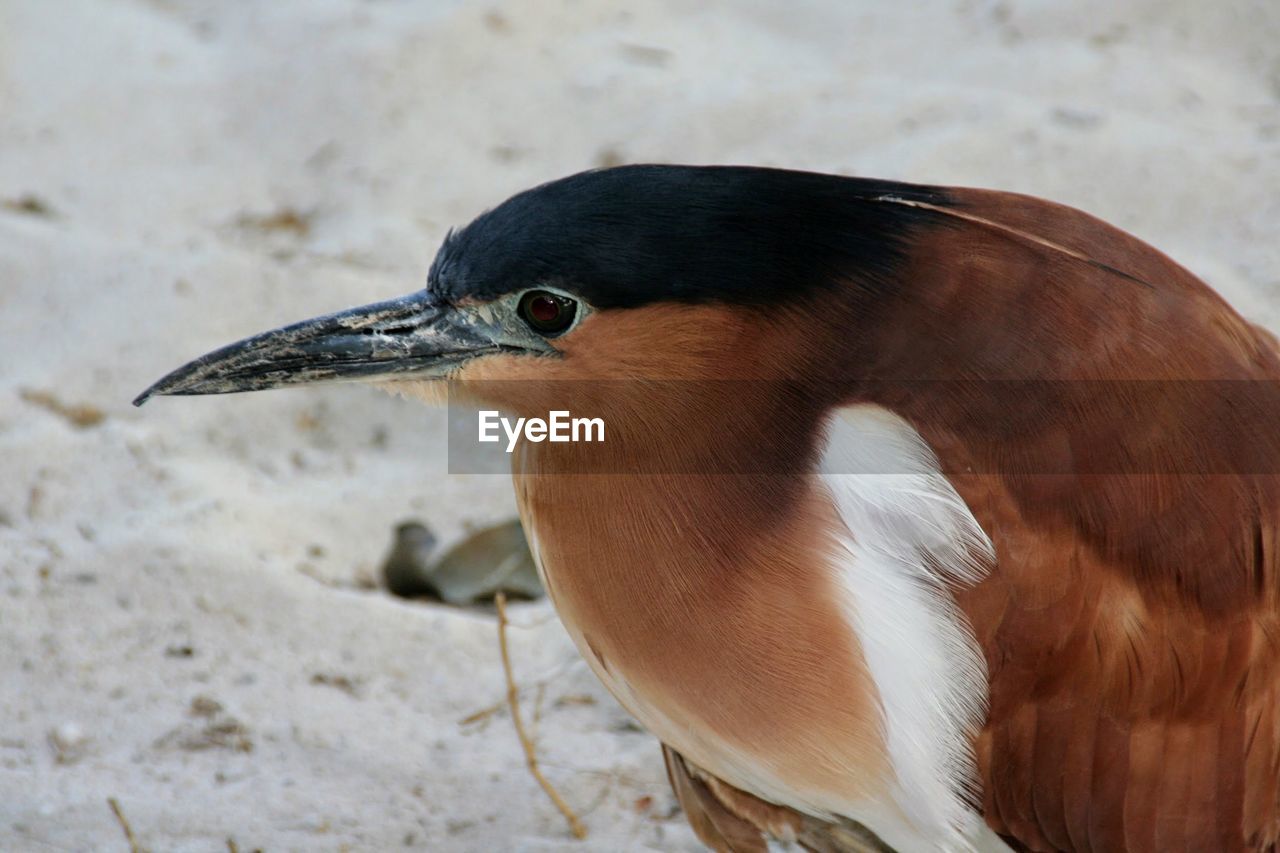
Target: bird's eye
(547,313)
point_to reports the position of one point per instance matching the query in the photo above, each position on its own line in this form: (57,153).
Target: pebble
(491,560)
(70,742)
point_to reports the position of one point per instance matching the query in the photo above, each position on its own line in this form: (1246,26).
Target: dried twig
(134,846)
(482,714)
(541,684)
(513,699)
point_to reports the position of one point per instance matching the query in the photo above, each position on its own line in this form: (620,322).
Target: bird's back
(1125,460)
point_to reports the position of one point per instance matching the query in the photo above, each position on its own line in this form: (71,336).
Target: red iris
(546,312)
(544,309)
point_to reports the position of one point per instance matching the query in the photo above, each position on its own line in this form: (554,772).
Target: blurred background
(191,622)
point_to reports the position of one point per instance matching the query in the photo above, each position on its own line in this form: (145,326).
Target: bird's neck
(712,464)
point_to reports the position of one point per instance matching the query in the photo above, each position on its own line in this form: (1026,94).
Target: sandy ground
(182,620)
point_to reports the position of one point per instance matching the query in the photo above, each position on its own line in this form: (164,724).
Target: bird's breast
(731,624)
(740,659)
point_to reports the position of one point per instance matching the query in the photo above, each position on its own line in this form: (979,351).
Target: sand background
(176,174)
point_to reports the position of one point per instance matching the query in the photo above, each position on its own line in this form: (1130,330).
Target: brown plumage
(1108,421)
(1130,622)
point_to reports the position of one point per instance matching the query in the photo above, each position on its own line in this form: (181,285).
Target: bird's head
(638,272)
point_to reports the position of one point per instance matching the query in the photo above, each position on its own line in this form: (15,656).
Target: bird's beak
(411,335)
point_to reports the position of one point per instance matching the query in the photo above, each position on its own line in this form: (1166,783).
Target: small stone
(490,560)
(205,706)
(406,568)
(69,742)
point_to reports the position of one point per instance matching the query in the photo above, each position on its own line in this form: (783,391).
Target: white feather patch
(910,538)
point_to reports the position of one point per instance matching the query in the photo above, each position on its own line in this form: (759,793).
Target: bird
(928,518)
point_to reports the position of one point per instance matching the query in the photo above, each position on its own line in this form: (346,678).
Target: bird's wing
(1125,468)
(1120,719)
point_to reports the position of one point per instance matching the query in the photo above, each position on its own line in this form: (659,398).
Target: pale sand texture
(235,528)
